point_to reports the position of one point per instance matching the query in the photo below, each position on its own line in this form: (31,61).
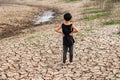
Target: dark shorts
(68,40)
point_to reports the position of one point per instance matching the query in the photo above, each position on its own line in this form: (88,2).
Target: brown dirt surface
(38,55)
(14,17)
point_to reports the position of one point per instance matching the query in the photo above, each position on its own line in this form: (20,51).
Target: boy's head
(67,16)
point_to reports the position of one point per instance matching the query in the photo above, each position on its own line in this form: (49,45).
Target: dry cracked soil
(36,54)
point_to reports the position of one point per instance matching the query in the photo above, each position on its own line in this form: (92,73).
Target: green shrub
(118,33)
(94,17)
(111,22)
(96,11)
(70,0)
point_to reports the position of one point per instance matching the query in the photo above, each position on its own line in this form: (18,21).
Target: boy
(67,31)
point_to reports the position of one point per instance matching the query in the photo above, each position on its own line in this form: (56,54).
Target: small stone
(68,78)
(3,76)
(40,78)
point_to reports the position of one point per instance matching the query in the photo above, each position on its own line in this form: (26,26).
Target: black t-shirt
(67,39)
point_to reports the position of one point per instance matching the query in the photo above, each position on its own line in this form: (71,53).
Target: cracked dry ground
(39,56)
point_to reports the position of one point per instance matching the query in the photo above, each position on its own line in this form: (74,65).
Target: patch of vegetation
(70,0)
(111,22)
(88,29)
(92,8)
(107,0)
(118,33)
(32,38)
(80,34)
(96,11)
(95,17)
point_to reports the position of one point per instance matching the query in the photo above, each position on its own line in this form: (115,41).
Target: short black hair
(67,16)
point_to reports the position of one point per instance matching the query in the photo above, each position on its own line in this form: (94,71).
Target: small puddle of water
(47,16)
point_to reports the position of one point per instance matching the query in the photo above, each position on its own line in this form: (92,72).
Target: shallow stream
(46,17)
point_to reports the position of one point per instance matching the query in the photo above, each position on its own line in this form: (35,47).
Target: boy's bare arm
(58,29)
(74,29)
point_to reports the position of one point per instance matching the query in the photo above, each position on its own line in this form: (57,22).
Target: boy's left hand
(63,34)
(71,34)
